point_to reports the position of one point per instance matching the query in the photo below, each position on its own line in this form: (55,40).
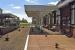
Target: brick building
(67,16)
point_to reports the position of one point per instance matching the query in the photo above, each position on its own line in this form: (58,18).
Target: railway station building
(59,18)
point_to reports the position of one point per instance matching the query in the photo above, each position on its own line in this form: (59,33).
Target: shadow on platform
(60,49)
(36,31)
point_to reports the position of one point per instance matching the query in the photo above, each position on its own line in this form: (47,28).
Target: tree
(24,20)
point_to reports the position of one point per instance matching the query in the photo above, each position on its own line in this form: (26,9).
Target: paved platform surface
(41,42)
(16,40)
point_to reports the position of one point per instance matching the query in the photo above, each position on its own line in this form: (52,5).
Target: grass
(24,24)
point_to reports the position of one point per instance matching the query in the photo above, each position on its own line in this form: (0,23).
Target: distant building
(1,11)
(8,22)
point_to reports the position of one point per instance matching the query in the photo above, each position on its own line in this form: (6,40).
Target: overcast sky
(17,6)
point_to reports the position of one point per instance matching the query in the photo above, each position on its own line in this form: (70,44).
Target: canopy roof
(38,10)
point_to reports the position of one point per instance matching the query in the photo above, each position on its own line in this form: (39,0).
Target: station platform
(43,41)
(17,39)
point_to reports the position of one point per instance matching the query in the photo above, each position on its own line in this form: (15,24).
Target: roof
(61,4)
(38,10)
(7,15)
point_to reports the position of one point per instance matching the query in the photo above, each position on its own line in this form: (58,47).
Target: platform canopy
(38,10)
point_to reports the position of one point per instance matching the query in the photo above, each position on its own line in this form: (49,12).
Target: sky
(16,7)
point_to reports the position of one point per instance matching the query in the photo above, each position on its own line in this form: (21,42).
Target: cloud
(31,2)
(11,5)
(16,7)
(6,11)
(53,3)
(28,0)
